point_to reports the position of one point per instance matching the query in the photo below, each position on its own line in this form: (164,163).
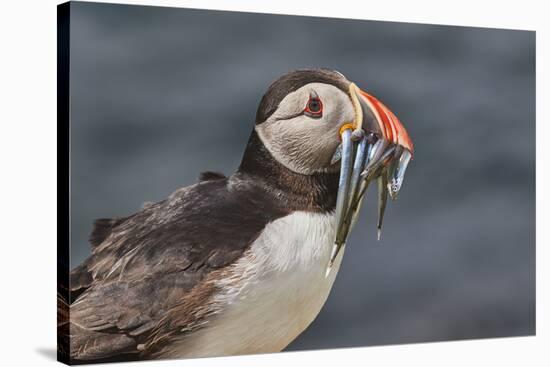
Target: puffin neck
(316,192)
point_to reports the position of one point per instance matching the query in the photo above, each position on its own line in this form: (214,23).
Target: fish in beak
(375,147)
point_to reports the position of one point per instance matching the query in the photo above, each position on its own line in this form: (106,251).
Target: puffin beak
(375,146)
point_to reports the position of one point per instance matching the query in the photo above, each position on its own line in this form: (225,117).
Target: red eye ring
(314,107)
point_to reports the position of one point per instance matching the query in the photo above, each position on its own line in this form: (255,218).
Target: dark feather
(102,229)
(79,280)
(316,192)
(211,175)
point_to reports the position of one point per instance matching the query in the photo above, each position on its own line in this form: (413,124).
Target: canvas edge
(63,186)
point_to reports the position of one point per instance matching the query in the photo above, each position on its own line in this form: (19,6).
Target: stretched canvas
(244,183)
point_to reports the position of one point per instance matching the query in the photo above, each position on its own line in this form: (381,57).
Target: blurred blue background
(457,255)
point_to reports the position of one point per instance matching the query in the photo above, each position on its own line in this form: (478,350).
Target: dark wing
(155,261)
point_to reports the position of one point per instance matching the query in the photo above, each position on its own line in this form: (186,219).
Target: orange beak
(392,129)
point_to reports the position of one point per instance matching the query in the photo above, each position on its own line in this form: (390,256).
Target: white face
(305,141)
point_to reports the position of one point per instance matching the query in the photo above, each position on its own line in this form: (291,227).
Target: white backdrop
(28,184)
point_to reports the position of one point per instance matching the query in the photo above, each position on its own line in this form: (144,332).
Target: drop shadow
(49,353)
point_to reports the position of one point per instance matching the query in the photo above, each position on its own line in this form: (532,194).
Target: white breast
(275,291)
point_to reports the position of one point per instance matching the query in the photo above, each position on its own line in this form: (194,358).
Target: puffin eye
(314,107)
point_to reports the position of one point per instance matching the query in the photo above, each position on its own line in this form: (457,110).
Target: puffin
(240,264)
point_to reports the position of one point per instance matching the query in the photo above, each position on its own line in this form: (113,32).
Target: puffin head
(317,121)
(301,118)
